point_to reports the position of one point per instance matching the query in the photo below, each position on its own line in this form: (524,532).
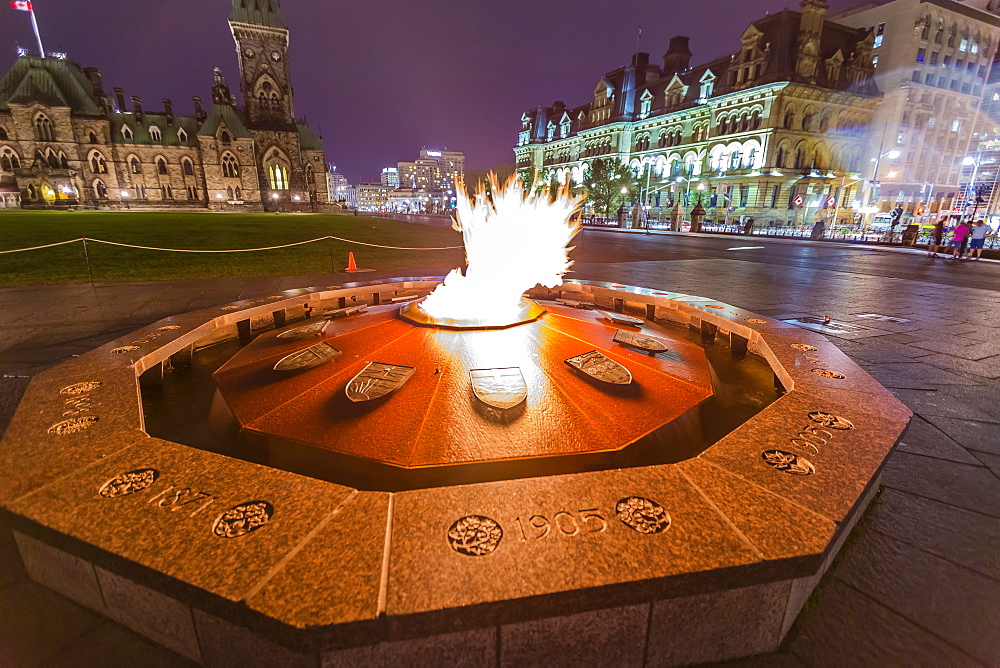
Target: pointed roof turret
(257,12)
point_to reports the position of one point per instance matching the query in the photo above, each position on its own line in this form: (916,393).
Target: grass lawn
(215,231)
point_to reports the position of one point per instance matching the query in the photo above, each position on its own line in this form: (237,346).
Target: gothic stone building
(65,141)
(776,131)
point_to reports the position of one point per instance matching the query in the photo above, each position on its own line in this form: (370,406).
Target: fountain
(495,468)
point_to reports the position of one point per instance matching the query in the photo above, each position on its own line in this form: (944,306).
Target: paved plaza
(918,582)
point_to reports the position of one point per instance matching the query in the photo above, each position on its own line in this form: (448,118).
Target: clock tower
(262,48)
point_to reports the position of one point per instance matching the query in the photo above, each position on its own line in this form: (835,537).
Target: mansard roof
(257,12)
(224,114)
(308,139)
(48,81)
(140,130)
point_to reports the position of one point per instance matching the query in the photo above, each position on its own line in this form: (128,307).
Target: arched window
(229,192)
(126,132)
(154,133)
(800,159)
(275,104)
(225,138)
(53,160)
(807,121)
(277,176)
(182,136)
(93,138)
(100,190)
(44,131)
(63,162)
(734,160)
(3,132)
(230,166)
(239,193)
(744,123)
(755,120)
(780,159)
(161,166)
(134,165)
(262,101)
(789,119)
(9,161)
(188,167)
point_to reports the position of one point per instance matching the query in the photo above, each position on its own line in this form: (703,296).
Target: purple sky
(382,78)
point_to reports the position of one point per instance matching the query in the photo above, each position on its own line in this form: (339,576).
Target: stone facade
(64,141)
(776,131)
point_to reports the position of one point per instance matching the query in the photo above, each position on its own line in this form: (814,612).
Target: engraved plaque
(377,380)
(829,373)
(640,341)
(621,318)
(804,347)
(475,535)
(346,311)
(713,306)
(500,388)
(305,331)
(81,388)
(758,321)
(231,308)
(788,462)
(129,482)
(602,368)
(307,358)
(642,515)
(831,421)
(167,328)
(73,425)
(242,519)
(124,349)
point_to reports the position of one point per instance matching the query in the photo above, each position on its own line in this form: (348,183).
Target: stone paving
(918,583)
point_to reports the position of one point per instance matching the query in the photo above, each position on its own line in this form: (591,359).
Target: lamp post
(892,154)
(124,195)
(274,198)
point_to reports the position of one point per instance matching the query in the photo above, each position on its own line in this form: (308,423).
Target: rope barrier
(234,250)
(58,243)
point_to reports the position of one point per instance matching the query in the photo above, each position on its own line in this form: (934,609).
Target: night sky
(382,78)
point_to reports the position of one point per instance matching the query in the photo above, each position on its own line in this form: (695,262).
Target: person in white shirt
(979,233)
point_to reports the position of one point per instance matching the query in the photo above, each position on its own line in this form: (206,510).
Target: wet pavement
(918,582)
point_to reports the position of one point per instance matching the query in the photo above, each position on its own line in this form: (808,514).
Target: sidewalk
(793,241)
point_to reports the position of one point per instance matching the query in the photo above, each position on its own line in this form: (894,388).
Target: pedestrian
(937,236)
(979,233)
(959,237)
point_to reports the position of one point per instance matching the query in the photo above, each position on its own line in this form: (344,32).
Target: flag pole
(34,24)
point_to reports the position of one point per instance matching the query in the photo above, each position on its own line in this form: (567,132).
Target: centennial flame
(512,243)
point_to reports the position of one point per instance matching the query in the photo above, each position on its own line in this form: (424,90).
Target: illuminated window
(97,164)
(135,166)
(974,48)
(956,125)
(931,121)
(963,45)
(277,176)
(874,61)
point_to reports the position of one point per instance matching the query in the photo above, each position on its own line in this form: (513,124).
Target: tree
(604,181)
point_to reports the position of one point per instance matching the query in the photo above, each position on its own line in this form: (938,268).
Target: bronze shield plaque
(621,318)
(307,358)
(500,388)
(305,331)
(377,380)
(602,368)
(640,341)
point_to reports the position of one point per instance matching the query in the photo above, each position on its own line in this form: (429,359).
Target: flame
(512,243)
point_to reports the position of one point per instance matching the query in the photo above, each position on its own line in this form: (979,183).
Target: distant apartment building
(390,177)
(335,183)
(373,196)
(433,170)
(932,60)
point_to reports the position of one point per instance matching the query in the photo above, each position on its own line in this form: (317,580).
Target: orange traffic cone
(351,266)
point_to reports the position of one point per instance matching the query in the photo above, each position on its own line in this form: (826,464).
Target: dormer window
(154,133)
(645,104)
(707,82)
(182,136)
(565,126)
(226,138)
(550,131)
(127,132)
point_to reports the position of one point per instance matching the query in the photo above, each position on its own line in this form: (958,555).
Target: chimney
(558,107)
(120,99)
(137,107)
(199,115)
(640,61)
(678,56)
(94,74)
(168,110)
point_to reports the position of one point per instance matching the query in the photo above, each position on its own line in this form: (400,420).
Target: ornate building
(777,131)
(65,141)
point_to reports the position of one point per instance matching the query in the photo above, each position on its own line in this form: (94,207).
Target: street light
(124,194)
(892,154)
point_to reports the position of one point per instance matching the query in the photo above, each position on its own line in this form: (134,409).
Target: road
(918,582)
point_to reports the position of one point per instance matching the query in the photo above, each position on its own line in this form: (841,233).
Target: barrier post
(86,255)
